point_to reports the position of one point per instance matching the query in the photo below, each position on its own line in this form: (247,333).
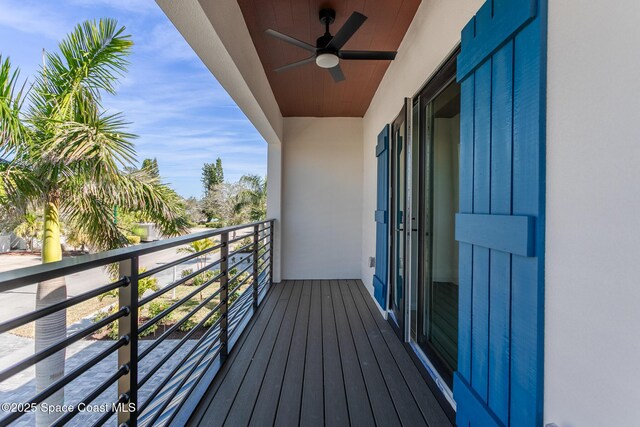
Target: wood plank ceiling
(309,91)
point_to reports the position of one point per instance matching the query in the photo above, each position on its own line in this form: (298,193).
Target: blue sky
(182,115)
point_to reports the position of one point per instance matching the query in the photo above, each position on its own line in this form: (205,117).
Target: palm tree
(197,247)
(29,229)
(75,160)
(253,197)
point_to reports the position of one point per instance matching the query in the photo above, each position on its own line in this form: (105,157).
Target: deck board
(319,353)
(355,388)
(335,401)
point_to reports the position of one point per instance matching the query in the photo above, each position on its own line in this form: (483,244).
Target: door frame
(400,324)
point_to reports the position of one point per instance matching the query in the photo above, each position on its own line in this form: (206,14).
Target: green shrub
(148,283)
(188,325)
(143,286)
(213,319)
(154,308)
(133,240)
(186,272)
(112,328)
(244,242)
(151,330)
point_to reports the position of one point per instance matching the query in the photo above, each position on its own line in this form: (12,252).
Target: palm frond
(12,129)
(18,185)
(135,191)
(93,218)
(91,59)
(91,136)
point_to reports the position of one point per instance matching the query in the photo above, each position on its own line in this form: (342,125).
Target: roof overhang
(229,37)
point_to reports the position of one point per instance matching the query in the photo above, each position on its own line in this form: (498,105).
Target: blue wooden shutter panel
(500,227)
(382,219)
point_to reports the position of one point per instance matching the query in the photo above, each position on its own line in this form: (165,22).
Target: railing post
(224,297)
(271,238)
(128,354)
(256,233)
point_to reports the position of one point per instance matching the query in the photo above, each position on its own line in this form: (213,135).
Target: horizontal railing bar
(176,389)
(169,331)
(238,274)
(175,284)
(267,259)
(232,311)
(239,317)
(264,246)
(239,285)
(231,267)
(62,382)
(239,238)
(239,305)
(110,412)
(178,303)
(45,311)
(243,248)
(29,275)
(184,339)
(263,284)
(41,355)
(264,237)
(171,375)
(263,271)
(123,370)
(177,262)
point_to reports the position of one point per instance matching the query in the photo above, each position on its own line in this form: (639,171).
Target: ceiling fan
(327,52)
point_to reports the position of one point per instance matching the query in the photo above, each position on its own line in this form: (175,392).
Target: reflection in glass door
(434,290)
(398,199)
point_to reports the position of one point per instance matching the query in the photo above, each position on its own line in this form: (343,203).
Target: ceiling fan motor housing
(327,16)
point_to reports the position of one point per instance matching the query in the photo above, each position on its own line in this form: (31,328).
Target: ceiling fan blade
(295,64)
(291,40)
(336,73)
(366,54)
(347,31)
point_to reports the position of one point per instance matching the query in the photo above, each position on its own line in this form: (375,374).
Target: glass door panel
(435,317)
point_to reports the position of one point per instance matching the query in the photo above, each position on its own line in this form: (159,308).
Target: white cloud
(135,6)
(32,19)
(166,42)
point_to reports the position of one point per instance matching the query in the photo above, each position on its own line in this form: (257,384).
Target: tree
(69,156)
(252,199)
(151,165)
(212,181)
(212,175)
(29,229)
(193,210)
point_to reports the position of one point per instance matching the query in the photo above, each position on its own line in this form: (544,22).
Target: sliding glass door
(434,280)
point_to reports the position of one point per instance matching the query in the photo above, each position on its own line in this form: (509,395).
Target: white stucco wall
(433,34)
(592,294)
(321,198)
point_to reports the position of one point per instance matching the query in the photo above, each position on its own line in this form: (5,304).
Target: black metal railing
(139,401)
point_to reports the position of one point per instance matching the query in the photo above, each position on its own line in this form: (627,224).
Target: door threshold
(440,383)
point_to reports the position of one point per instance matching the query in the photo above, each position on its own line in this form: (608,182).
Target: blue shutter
(382,219)
(500,227)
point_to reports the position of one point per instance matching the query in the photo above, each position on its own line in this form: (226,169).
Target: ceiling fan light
(327,60)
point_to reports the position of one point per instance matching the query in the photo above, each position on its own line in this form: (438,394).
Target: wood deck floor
(319,353)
